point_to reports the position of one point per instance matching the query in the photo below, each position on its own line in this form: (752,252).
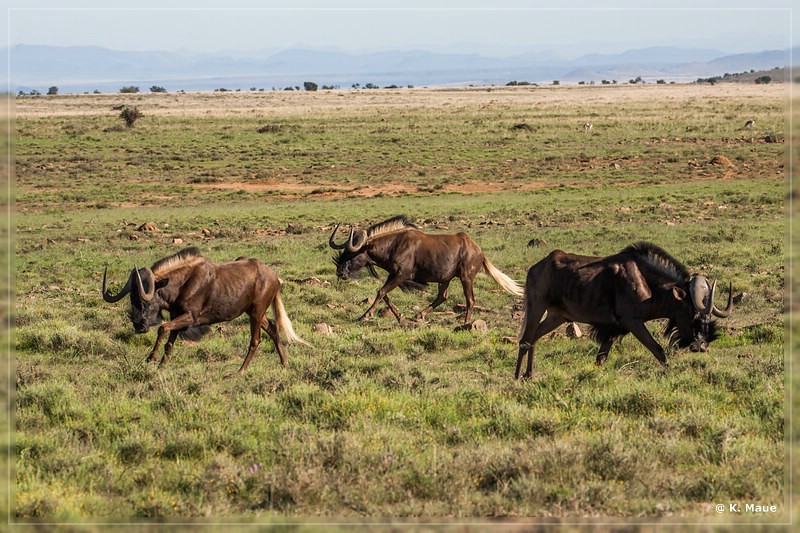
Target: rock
(147,227)
(177,240)
(737,299)
(312,281)
(477,325)
(721,160)
(573,331)
(323,328)
(536,242)
(480,325)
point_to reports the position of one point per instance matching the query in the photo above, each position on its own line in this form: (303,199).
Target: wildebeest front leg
(159,339)
(440,299)
(640,331)
(391,283)
(172,327)
(392,308)
(168,347)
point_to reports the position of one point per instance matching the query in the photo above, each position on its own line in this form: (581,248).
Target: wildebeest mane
(387,226)
(175,260)
(659,260)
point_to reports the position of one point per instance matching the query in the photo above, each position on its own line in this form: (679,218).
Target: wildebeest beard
(702,330)
(603,333)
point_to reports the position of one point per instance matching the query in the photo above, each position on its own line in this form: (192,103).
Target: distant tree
(52,90)
(130,115)
(556,82)
(130,89)
(157,89)
(310,86)
(371,86)
(96,91)
(763,79)
(661,82)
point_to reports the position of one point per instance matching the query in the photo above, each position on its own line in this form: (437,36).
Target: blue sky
(509,26)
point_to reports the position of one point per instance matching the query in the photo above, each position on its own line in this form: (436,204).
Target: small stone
(323,328)
(573,331)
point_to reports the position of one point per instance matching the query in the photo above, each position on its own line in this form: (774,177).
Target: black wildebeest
(616,295)
(197,293)
(413,259)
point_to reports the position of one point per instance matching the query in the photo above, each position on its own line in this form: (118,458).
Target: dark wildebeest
(616,295)
(197,293)
(413,259)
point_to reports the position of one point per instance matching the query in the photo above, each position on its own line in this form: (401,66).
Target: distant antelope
(750,123)
(587,127)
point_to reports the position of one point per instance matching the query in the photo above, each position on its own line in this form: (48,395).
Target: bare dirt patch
(328,191)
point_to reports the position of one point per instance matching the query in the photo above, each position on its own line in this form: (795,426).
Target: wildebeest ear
(160,284)
(679,293)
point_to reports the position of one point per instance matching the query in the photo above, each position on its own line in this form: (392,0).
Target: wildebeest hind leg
(269,326)
(469,296)
(441,296)
(602,352)
(531,320)
(255,340)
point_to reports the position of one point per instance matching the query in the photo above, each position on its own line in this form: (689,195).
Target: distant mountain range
(88,68)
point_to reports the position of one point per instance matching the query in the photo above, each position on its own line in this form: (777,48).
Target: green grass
(381,419)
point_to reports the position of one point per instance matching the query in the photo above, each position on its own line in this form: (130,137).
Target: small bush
(130,115)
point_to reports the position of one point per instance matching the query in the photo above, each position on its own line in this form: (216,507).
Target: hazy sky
(509,26)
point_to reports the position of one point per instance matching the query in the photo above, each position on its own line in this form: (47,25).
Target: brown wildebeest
(197,293)
(616,295)
(413,259)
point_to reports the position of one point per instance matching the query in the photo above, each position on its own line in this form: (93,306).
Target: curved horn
(110,298)
(351,247)
(725,313)
(699,290)
(145,296)
(333,244)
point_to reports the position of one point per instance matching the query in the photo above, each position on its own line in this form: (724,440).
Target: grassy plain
(380,420)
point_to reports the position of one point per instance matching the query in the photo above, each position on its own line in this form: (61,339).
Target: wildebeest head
(352,257)
(691,326)
(146,305)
